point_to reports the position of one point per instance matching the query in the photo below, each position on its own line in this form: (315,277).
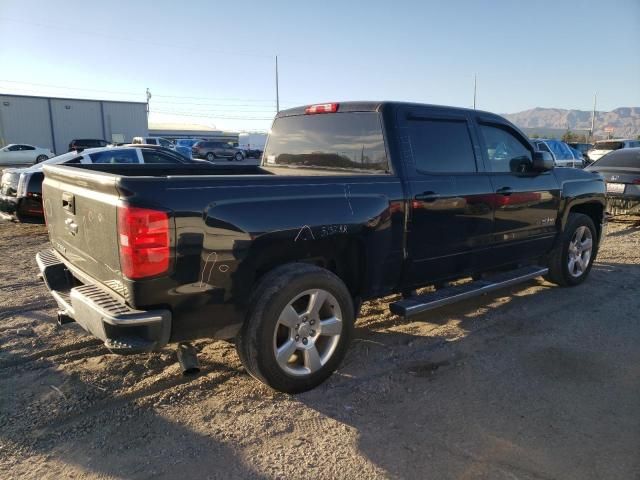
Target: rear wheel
(298,328)
(211,157)
(41,158)
(239,157)
(573,257)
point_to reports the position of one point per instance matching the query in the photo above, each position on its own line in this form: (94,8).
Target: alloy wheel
(307,332)
(580,249)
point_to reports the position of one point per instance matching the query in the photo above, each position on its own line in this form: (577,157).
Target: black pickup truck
(352,201)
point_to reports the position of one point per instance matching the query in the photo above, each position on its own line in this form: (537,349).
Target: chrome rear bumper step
(422,303)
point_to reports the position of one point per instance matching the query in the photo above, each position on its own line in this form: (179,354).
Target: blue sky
(212,63)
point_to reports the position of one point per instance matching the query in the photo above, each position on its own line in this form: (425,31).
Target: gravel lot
(532,382)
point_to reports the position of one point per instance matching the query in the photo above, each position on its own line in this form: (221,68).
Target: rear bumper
(8,204)
(21,207)
(122,329)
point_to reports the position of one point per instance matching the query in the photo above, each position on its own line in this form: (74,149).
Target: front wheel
(41,158)
(211,157)
(571,260)
(239,157)
(298,328)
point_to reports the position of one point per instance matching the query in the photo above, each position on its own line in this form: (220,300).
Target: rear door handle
(505,191)
(427,196)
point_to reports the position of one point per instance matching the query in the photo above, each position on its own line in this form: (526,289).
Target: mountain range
(622,122)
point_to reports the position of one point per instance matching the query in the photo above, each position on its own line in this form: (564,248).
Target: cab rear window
(343,142)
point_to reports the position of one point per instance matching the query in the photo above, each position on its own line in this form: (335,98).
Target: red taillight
(144,241)
(636,181)
(322,108)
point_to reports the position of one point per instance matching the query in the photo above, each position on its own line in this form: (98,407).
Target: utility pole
(148,98)
(593,116)
(277,91)
(475,88)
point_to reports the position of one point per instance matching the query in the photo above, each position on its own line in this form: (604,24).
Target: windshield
(339,141)
(560,150)
(608,145)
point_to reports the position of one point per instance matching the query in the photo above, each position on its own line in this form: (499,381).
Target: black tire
(256,342)
(41,158)
(210,156)
(239,157)
(559,258)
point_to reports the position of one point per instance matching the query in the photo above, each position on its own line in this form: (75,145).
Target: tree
(568,136)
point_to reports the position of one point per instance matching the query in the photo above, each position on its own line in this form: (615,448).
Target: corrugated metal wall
(29,120)
(25,120)
(75,119)
(126,119)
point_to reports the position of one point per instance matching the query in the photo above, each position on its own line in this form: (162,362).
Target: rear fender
(251,237)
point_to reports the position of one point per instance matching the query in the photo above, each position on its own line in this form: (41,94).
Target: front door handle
(505,191)
(427,196)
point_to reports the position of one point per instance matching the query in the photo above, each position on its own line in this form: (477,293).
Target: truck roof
(374,106)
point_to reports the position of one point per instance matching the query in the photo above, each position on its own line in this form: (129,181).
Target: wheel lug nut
(297,337)
(311,322)
(304,340)
(313,332)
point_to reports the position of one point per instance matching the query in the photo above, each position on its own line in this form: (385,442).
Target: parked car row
(23,154)
(21,190)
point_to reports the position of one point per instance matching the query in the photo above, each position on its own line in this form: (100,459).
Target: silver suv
(211,150)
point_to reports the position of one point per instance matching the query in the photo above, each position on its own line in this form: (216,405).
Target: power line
(141,93)
(206,104)
(182,114)
(95,33)
(215,111)
(72,88)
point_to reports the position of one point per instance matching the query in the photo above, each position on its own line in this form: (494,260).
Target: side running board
(421,303)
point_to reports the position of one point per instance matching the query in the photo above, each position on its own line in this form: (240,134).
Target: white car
(601,148)
(20,153)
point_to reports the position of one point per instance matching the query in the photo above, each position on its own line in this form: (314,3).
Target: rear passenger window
(441,146)
(115,156)
(505,151)
(151,141)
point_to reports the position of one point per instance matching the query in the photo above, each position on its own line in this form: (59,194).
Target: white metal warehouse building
(53,122)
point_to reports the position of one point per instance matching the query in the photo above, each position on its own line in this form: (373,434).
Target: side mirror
(542,162)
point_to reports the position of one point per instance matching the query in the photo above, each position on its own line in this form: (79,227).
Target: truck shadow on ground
(451,404)
(71,425)
(422,396)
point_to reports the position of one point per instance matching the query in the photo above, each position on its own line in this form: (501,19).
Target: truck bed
(163,170)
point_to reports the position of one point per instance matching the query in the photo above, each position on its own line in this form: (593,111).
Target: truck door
(451,219)
(526,203)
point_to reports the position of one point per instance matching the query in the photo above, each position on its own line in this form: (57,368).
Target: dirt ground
(533,382)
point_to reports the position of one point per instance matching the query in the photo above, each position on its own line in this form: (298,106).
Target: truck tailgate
(81,214)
